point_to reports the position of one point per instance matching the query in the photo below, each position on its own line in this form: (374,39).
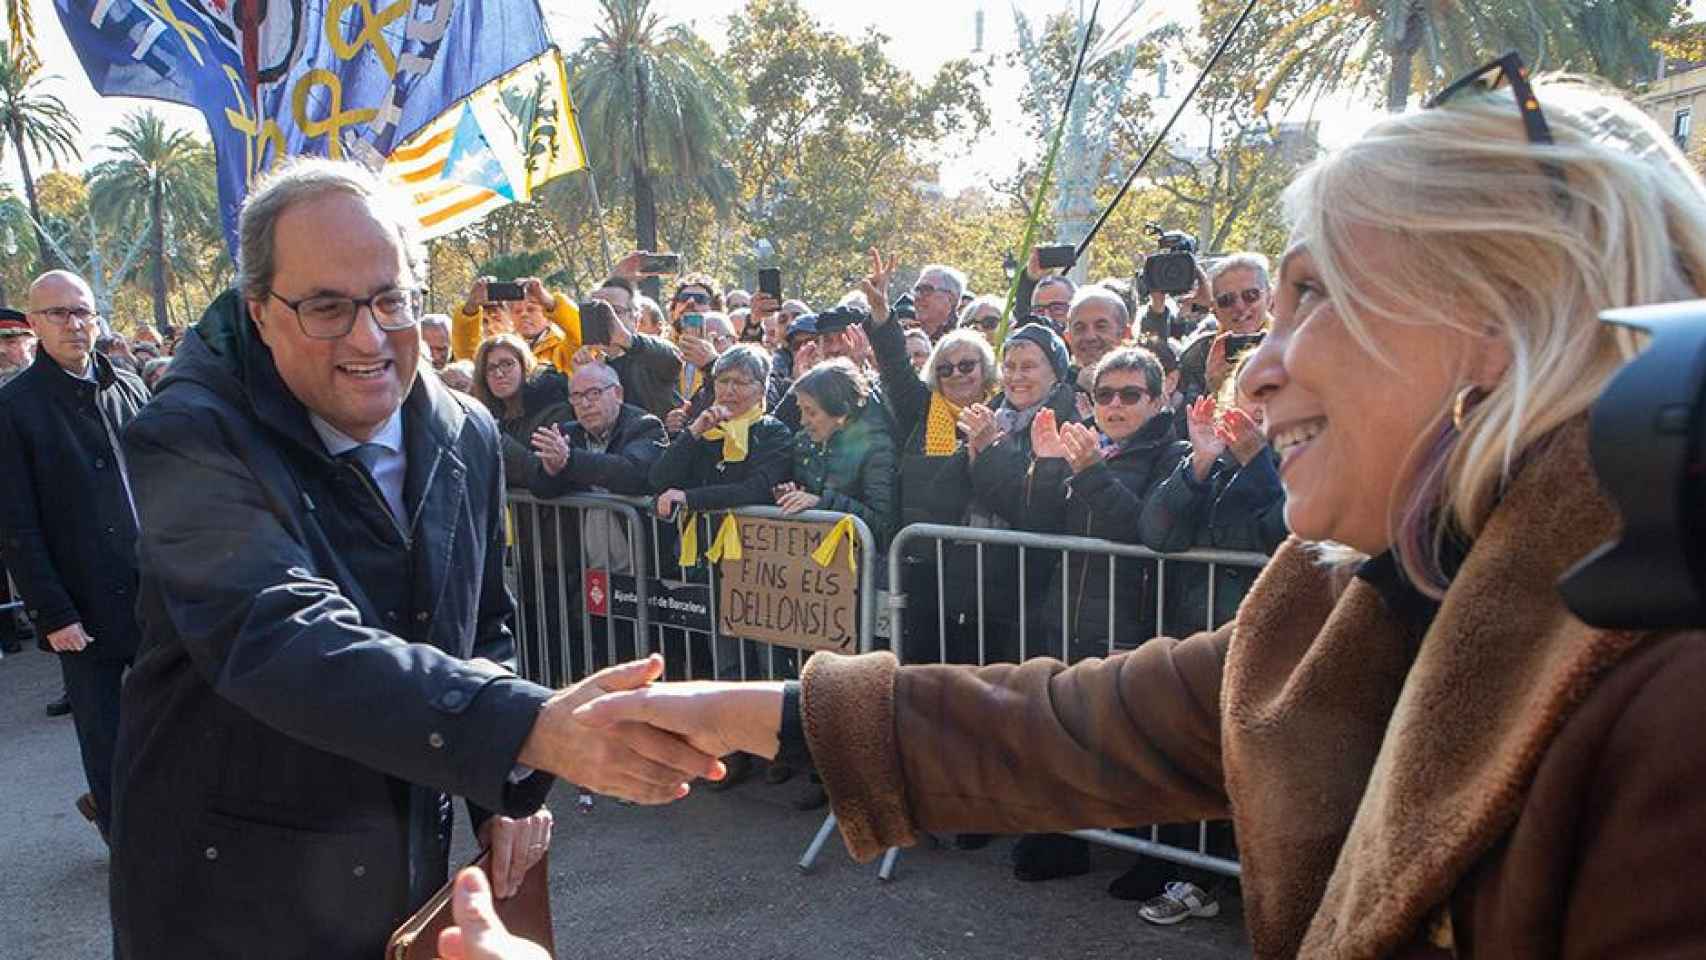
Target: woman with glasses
(983,315)
(522,395)
(1424,751)
(732,454)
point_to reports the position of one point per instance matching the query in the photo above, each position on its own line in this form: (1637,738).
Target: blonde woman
(1424,753)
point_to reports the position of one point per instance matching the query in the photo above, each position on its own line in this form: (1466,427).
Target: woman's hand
(1045,436)
(713,417)
(516,845)
(553,450)
(875,286)
(1240,435)
(668,502)
(978,422)
(796,501)
(1083,448)
(1206,444)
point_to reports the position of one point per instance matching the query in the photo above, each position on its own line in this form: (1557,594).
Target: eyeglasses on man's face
(329,317)
(63,316)
(590,394)
(1251,296)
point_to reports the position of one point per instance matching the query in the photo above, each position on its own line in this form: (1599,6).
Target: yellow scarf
(941,427)
(734,434)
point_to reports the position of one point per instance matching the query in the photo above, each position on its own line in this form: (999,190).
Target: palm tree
(17,242)
(656,110)
(37,124)
(1330,41)
(152,164)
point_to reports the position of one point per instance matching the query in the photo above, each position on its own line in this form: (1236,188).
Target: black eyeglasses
(988,322)
(965,367)
(332,317)
(590,394)
(1129,396)
(1226,300)
(1510,70)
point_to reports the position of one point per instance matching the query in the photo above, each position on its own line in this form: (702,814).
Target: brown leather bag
(526,915)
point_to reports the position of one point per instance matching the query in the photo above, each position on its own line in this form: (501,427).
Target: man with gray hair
(936,298)
(325,616)
(435,333)
(1243,311)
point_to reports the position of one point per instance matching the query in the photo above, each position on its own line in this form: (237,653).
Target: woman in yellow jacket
(549,322)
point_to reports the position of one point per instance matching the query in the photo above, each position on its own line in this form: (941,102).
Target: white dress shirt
(388,465)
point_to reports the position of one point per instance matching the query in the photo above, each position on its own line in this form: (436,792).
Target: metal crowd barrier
(938,539)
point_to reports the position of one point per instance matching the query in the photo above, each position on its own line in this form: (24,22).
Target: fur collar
(1408,757)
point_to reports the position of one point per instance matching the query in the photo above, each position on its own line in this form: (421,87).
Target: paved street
(710,877)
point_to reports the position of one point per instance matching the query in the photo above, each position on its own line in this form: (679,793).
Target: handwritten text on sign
(776,592)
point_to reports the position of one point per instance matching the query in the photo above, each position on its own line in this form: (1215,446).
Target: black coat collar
(68,383)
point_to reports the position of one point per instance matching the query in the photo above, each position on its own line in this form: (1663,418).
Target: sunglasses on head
(965,367)
(1252,295)
(1129,396)
(1510,71)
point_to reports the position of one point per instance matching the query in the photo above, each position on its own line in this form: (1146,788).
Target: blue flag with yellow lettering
(340,78)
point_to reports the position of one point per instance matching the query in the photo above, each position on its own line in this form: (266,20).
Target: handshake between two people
(621,733)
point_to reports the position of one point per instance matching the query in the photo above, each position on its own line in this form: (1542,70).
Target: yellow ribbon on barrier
(727,544)
(824,555)
(688,524)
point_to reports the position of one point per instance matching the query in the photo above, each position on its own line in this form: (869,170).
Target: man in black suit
(324,614)
(67,516)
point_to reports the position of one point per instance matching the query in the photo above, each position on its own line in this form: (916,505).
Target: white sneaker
(1179,901)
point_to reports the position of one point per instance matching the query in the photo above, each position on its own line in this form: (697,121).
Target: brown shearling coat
(1512,784)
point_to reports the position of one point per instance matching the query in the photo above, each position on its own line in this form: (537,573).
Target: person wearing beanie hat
(1053,348)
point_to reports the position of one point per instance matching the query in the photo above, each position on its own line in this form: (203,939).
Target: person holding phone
(549,322)
(1243,307)
(647,365)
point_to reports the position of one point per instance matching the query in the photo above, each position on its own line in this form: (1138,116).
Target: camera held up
(1173,270)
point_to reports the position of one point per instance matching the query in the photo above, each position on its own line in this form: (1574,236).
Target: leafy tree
(1406,44)
(834,156)
(656,111)
(152,163)
(37,125)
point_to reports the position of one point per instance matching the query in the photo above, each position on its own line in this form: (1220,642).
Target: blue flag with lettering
(339,78)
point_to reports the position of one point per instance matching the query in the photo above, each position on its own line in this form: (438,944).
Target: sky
(923,37)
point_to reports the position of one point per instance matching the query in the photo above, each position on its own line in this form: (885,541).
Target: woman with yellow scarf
(732,454)
(935,475)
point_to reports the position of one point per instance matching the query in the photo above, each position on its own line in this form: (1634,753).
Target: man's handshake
(615,733)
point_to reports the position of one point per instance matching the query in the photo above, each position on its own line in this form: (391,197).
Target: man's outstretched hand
(478,933)
(630,760)
(716,718)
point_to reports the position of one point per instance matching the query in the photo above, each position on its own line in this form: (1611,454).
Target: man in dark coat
(609,447)
(66,514)
(649,367)
(324,615)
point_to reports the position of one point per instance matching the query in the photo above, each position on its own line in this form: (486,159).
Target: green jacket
(855,472)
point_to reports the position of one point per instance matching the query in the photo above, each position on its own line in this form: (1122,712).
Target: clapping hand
(1045,436)
(1240,435)
(1206,445)
(805,358)
(875,286)
(1083,448)
(553,450)
(978,423)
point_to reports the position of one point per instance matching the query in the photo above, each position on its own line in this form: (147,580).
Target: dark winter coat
(1236,508)
(314,677)
(636,443)
(544,400)
(650,371)
(68,528)
(854,473)
(696,466)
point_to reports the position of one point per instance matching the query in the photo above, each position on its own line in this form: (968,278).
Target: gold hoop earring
(1467,400)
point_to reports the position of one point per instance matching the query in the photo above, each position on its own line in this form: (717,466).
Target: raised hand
(1240,435)
(553,450)
(1206,444)
(711,419)
(875,286)
(978,422)
(1045,436)
(534,289)
(1217,369)
(628,760)
(1083,447)
(805,358)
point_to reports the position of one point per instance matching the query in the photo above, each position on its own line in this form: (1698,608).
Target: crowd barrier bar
(1067,546)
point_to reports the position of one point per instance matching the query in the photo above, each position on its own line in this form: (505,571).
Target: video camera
(1647,437)
(1174,270)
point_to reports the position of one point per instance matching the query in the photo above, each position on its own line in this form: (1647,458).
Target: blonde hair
(1499,237)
